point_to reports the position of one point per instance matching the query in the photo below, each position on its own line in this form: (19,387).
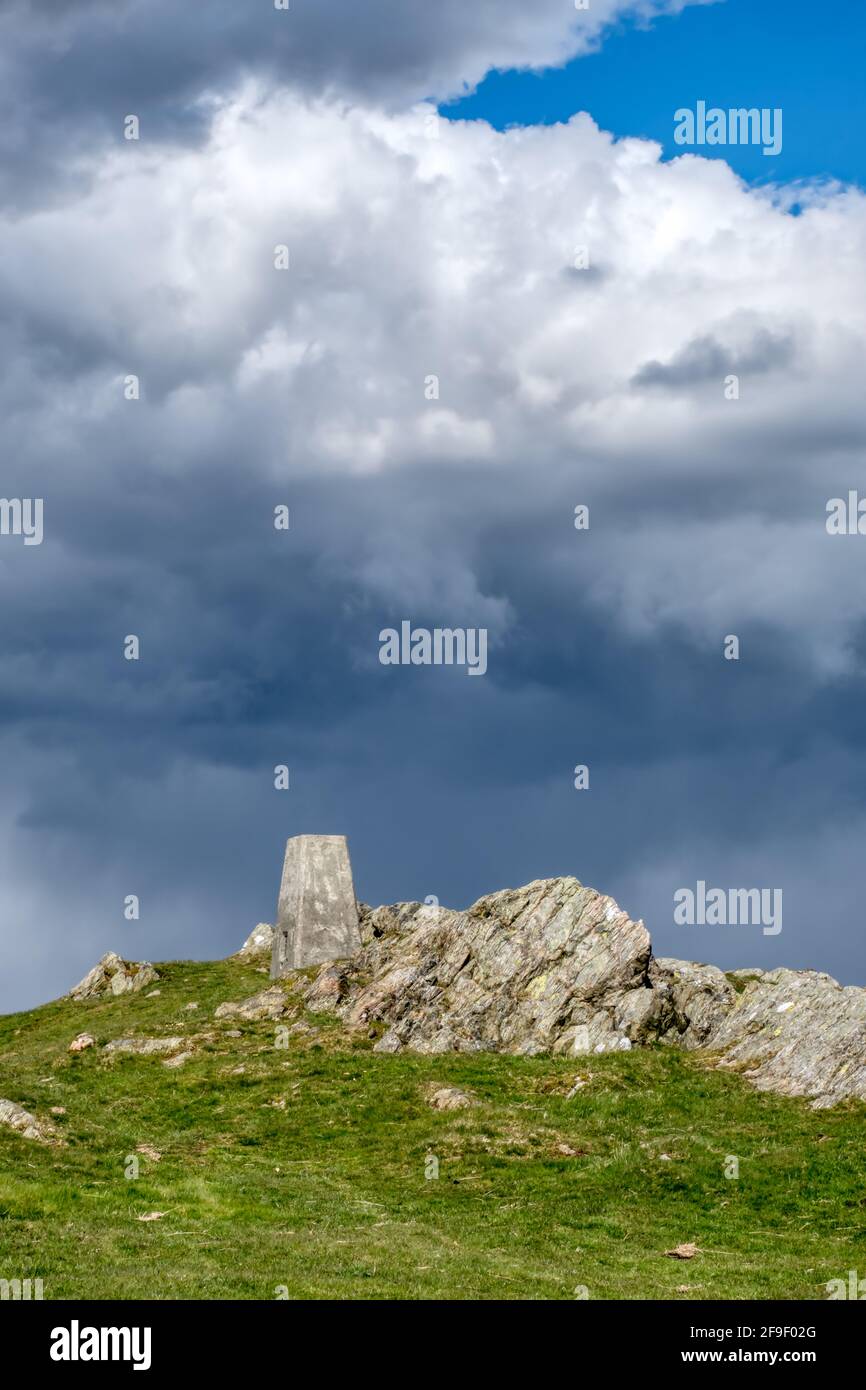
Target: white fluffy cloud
(420,248)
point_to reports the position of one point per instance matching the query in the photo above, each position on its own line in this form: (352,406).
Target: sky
(728,54)
(492,197)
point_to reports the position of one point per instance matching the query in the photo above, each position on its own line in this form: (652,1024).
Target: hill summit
(516,1100)
(556,967)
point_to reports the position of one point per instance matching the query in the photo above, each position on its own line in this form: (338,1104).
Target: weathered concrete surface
(317,916)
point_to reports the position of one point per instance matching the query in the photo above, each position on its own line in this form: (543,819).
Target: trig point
(317,916)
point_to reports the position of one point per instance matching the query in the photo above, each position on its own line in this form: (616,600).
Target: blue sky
(803,57)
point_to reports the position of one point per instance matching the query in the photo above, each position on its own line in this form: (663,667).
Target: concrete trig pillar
(317,916)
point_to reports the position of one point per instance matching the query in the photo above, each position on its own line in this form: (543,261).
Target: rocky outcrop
(797,1032)
(113,975)
(553,966)
(557,967)
(19,1119)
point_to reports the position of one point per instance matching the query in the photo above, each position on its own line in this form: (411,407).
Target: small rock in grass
(83,1041)
(269,1003)
(450,1098)
(17,1118)
(177,1061)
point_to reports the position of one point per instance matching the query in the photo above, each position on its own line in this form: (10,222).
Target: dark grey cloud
(101,50)
(706,359)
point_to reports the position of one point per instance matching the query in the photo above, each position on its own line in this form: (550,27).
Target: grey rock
(144,1047)
(303,1029)
(328,990)
(551,966)
(450,1098)
(317,915)
(695,997)
(268,1003)
(177,1061)
(798,1032)
(258,944)
(25,1124)
(114,976)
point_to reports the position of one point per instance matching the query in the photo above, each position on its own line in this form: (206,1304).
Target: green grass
(328,1196)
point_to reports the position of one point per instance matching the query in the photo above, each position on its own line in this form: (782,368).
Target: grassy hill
(304,1167)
